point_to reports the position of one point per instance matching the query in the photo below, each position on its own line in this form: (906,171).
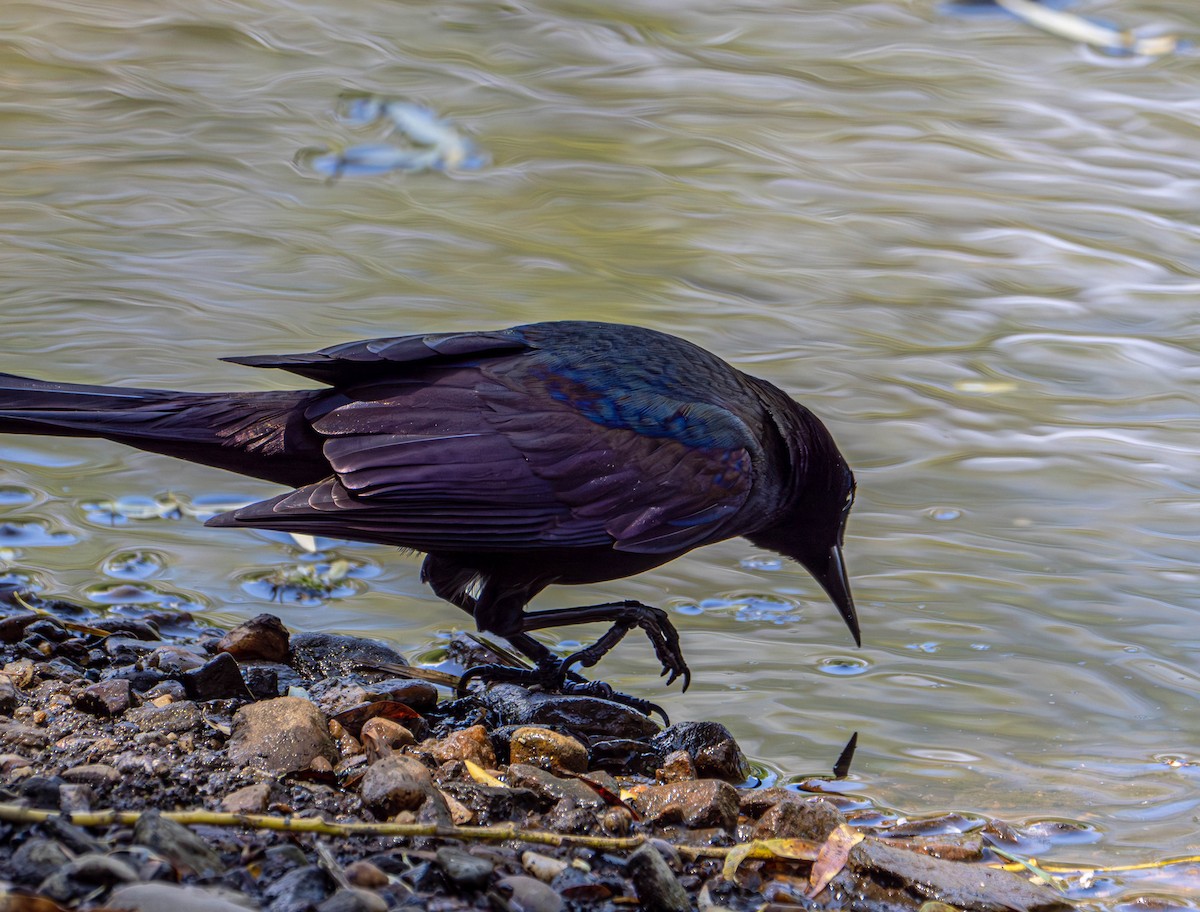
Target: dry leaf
(831,857)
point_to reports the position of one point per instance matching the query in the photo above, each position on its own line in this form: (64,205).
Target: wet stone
(714,752)
(97,775)
(298,890)
(85,874)
(175,660)
(174,717)
(658,889)
(175,842)
(8,695)
(697,803)
(280,736)
(42,791)
(165,897)
(677,767)
(252,799)
(396,784)
(37,859)
(220,679)
(547,749)
(797,817)
(108,698)
(464,870)
(468,744)
(262,681)
(74,798)
(353,900)
(262,638)
(528,894)
(366,875)
(586,718)
(552,789)
(325,655)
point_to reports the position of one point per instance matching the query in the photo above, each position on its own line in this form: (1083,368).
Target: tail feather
(263,435)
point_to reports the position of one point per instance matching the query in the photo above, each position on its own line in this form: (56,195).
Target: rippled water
(970,246)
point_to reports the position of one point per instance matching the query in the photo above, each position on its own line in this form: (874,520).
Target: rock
(974,888)
(18,734)
(263,680)
(396,783)
(711,746)
(175,842)
(547,749)
(42,791)
(175,660)
(467,744)
(379,736)
(464,870)
(678,766)
(658,889)
(487,802)
(528,894)
(165,897)
(551,788)
(252,799)
(36,859)
(798,817)
(174,717)
(543,867)
(696,803)
(366,875)
(326,655)
(262,638)
(220,679)
(75,798)
(8,695)
(420,695)
(585,717)
(298,890)
(12,762)
(97,775)
(108,698)
(173,690)
(84,875)
(280,736)
(354,900)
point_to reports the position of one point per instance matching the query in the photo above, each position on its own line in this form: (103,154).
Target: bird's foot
(659,630)
(555,675)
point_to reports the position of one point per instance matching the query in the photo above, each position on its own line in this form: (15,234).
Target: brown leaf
(832,857)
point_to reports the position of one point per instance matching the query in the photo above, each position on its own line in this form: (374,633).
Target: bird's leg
(624,616)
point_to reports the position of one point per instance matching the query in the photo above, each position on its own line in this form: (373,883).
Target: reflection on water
(969,246)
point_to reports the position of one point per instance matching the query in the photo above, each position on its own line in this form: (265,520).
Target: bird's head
(811,528)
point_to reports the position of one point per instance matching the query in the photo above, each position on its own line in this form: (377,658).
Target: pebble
(36,859)
(8,695)
(165,897)
(552,788)
(543,867)
(327,655)
(658,889)
(366,874)
(108,698)
(280,736)
(587,717)
(696,803)
(713,749)
(219,679)
(175,842)
(396,783)
(528,894)
(84,875)
(97,775)
(262,638)
(678,766)
(251,799)
(464,870)
(176,717)
(470,744)
(379,736)
(547,749)
(353,900)
(298,890)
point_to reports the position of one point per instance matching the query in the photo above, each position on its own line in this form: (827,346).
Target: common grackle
(565,452)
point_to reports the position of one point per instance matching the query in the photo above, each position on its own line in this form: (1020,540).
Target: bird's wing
(489,455)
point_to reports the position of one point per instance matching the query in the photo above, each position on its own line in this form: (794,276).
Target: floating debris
(426,142)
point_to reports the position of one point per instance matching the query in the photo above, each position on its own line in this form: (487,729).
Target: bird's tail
(263,435)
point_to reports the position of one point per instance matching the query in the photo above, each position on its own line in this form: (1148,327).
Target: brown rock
(381,736)
(551,788)
(249,800)
(698,803)
(797,817)
(677,767)
(108,698)
(97,775)
(396,783)
(469,744)
(263,638)
(548,749)
(366,875)
(183,716)
(280,736)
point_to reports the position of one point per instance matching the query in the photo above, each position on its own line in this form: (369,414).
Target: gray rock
(464,870)
(280,736)
(35,860)
(84,875)
(164,897)
(551,788)
(41,791)
(220,679)
(174,717)
(528,894)
(298,890)
(658,889)
(8,696)
(974,888)
(73,798)
(108,698)
(353,900)
(325,655)
(177,843)
(585,717)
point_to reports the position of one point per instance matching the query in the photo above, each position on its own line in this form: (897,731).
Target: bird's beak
(833,581)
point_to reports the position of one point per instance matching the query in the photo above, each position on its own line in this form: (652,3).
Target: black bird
(565,452)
